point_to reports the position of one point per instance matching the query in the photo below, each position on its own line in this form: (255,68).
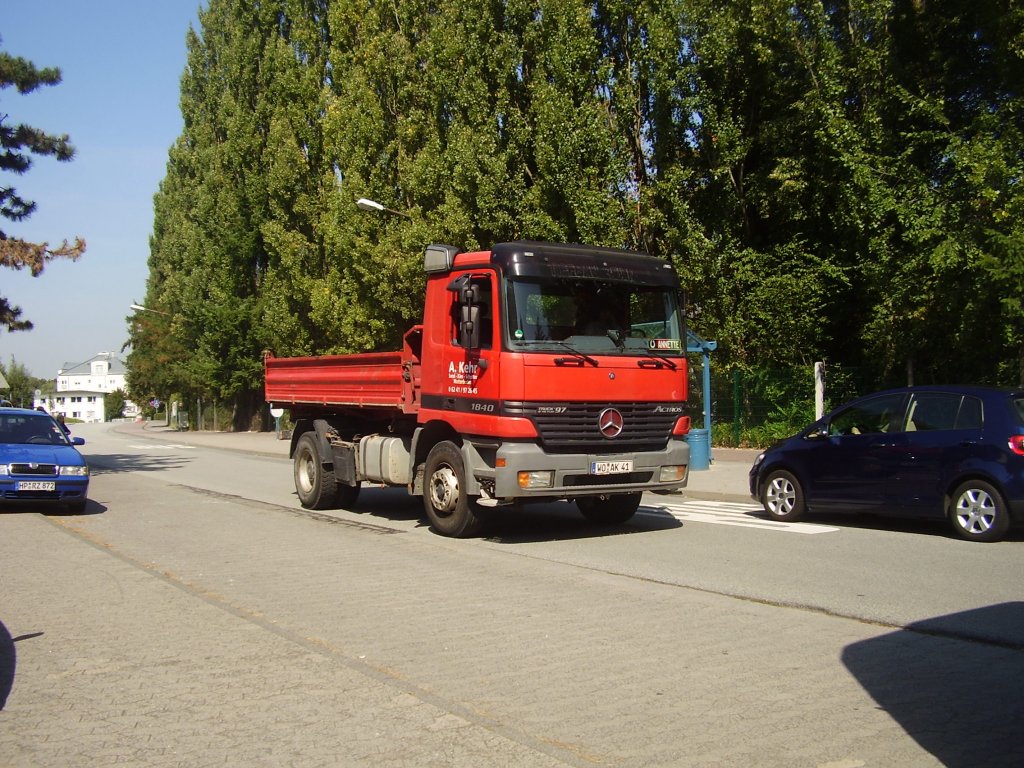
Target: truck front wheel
(450,509)
(609,510)
(316,487)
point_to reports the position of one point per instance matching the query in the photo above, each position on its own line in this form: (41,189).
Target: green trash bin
(700,449)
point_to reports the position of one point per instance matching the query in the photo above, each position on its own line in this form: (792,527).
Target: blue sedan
(39,462)
(952,452)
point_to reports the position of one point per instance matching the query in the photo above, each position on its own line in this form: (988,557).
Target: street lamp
(365,204)
(140,308)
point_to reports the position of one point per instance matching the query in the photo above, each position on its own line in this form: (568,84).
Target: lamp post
(140,308)
(365,204)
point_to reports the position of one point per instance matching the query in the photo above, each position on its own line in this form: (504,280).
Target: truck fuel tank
(385,459)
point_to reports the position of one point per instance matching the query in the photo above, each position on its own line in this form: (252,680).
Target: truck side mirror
(469,326)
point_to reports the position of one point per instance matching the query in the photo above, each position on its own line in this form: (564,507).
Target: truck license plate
(37,485)
(611,467)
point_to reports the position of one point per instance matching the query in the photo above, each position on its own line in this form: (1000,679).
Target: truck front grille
(575,428)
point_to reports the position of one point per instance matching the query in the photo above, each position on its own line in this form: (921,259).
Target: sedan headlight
(4,470)
(74,470)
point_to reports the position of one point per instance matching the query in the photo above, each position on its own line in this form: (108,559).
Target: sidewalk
(725,480)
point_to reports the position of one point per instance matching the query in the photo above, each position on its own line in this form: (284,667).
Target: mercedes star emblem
(609,421)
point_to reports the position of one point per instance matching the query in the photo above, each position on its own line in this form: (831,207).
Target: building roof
(115,365)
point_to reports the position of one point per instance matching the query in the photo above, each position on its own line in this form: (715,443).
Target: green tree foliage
(21,384)
(113,405)
(18,144)
(834,181)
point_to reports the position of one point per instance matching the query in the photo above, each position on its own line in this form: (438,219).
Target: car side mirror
(78,441)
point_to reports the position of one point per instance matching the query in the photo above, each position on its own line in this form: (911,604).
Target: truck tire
(450,510)
(609,510)
(316,487)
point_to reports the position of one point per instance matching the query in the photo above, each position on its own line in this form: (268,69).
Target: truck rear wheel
(450,510)
(316,487)
(609,510)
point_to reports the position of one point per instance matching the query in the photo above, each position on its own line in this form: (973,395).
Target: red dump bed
(371,379)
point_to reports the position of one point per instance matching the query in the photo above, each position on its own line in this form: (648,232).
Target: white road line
(732,513)
(161,446)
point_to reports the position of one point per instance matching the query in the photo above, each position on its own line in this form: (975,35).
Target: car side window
(874,416)
(971,415)
(933,410)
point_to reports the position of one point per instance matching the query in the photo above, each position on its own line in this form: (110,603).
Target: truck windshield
(593,316)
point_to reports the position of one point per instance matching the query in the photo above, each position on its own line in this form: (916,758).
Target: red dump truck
(541,372)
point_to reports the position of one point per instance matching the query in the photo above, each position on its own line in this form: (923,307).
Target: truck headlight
(537,479)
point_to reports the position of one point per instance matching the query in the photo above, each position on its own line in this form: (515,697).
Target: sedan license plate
(37,485)
(611,467)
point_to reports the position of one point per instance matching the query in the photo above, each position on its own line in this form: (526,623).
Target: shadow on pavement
(104,463)
(7,664)
(551,521)
(953,683)
(51,508)
(562,521)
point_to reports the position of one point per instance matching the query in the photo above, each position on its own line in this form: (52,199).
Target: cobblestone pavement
(176,628)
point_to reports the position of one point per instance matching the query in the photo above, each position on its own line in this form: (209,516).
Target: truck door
(471,356)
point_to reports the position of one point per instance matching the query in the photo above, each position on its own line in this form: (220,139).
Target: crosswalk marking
(732,513)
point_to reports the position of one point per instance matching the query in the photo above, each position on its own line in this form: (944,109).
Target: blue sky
(121,62)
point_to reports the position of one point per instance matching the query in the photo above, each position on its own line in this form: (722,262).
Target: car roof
(963,389)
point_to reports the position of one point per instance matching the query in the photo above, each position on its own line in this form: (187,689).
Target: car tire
(610,510)
(782,496)
(451,511)
(978,513)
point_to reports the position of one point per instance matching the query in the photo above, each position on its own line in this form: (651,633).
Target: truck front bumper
(525,471)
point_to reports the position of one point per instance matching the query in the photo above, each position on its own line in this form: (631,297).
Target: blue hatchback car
(39,462)
(952,452)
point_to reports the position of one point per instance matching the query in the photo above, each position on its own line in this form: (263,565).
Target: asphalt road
(197,616)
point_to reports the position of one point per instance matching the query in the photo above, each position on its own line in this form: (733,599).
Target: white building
(82,388)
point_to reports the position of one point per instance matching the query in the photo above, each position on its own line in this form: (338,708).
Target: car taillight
(1017,444)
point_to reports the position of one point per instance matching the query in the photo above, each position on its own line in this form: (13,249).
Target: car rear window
(970,416)
(1018,403)
(943,410)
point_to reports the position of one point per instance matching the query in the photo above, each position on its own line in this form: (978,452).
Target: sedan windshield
(30,429)
(594,316)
